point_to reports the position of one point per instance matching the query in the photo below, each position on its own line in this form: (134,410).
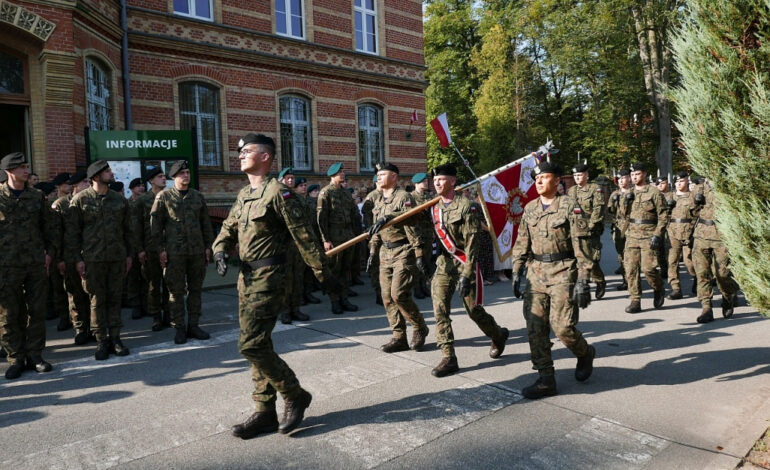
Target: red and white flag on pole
(413,117)
(441,127)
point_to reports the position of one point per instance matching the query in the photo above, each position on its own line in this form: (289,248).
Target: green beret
(286,171)
(419,177)
(97,167)
(374,178)
(177,167)
(12,160)
(334,169)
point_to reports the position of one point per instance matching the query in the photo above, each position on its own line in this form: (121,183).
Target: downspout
(124,60)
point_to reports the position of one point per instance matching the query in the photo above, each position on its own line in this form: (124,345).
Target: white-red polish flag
(413,117)
(441,127)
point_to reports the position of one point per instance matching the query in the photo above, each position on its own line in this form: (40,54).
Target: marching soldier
(648,218)
(58,293)
(662,183)
(680,229)
(337,215)
(457,227)
(182,234)
(400,252)
(590,201)
(30,238)
(99,237)
(710,258)
(265,218)
(618,207)
(424,226)
(295,267)
(557,279)
(373,264)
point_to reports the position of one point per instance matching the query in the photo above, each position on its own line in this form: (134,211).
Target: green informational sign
(133,153)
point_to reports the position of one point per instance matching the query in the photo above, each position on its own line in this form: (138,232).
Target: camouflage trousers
(185,274)
(710,258)
(79,303)
(157,291)
(22,311)
(592,247)
(339,265)
(549,308)
(620,245)
(663,256)
(675,253)
(427,249)
(443,288)
(396,280)
(375,276)
(104,285)
(257,314)
(58,293)
(295,275)
(136,286)
(639,257)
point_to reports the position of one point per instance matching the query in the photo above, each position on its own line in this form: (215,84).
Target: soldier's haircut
(269,148)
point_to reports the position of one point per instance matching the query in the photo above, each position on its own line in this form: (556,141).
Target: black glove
(516,278)
(219,260)
(616,197)
(370,262)
(582,293)
(656,242)
(671,204)
(420,263)
(700,199)
(464,286)
(377,226)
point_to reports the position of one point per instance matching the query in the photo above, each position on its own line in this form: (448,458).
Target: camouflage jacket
(398,203)
(550,231)
(60,208)
(311,203)
(682,222)
(180,224)
(337,213)
(28,228)
(463,224)
(618,210)
(706,215)
(423,223)
(141,222)
(366,208)
(263,222)
(591,202)
(649,206)
(99,228)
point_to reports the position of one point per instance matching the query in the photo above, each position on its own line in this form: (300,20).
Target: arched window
(296,133)
(98,96)
(370,136)
(199,108)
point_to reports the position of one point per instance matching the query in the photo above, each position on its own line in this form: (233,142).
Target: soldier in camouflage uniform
(400,252)
(424,226)
(710,258)
(668,195)
(100,239)
(337,215)
(58,292)
(618,207)
(181,232)
(304,283)
(457,227)
(648,218)
(266,217)
(295,267)
(680,229)
(590,201)
(311,203)
(136,286)
(373,263)
(557,278)
(30,239)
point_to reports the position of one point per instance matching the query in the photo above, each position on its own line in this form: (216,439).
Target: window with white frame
(370,137)
(199,108)
(98,96)
(201,9)
(365,12)
(296,132)
(289,18)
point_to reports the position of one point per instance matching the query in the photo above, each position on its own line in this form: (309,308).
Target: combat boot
(294,411)
(499,346)
(157,325)
(337,308)
(196,332)
(102,351)
(418,338)
(299,316)
(623,285)
(81,338)
(395,345)
(619,270)
(544,386)
(259,423)
(64,324)
(285,318)
(425,289)
(14,371)
(347,306)
(418,293)
(585,365)
(728,305)
(706,316)
(447,366)
(660,297)
(675,295)
(37,363)
(118,348)
(634,307)
(311,299)
(180,337)
(601,289)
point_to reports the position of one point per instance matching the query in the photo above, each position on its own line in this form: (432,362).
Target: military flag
(441,126)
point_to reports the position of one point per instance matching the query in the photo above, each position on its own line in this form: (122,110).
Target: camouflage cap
(286,171)
(177,167)
(12,160)
(61,178)
(97,167)
(334,169)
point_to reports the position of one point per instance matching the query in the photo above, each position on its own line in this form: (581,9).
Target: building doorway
(14,129)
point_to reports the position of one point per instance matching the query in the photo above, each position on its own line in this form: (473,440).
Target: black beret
(46,187)
(661,179)
(97,167)
(12,160)
(387,167)
(580,168)
(77,177)
(135,182)
(638,166)
(312,188)
(300,180)
(177,167)
(116,186)
(446,169)
(546,167)
(255,139)
(152,173)
(61,178)
(680,176)
(624,172)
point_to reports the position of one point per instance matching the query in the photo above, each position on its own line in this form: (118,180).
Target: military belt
(706,222)
(681,221)
(391,245)
(249,266)
(553,257)
(644,221)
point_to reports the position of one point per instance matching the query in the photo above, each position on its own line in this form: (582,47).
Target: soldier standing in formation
(136,287)
(710,258)
(30,238)
(181,232)
(424,226)
(373,263)
(306,278)
(680,229)
(549,244)
(590,202)
(668,195)
(457,228)
(337,215)
(400,252)
(57,292)
(265,218)
(311,203)
(648,218)
(618,207)
(99,238)
(295,267)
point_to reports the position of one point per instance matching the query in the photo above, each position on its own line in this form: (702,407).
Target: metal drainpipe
(126,75)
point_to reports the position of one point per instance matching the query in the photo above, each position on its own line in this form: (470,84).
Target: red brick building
(329,80)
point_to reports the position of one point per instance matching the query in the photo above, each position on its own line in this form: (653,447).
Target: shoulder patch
(286,194)
(473,208)
(598,190)
(408,203)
